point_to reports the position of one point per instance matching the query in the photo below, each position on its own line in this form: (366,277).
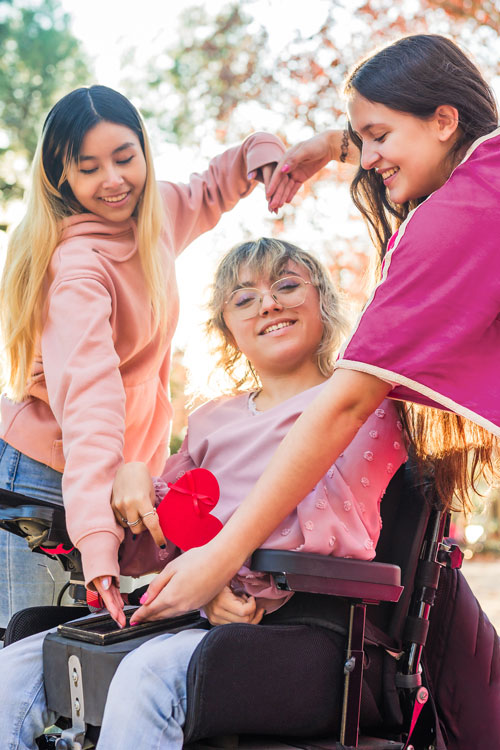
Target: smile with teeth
(277,326)
(114,198)
(388,172)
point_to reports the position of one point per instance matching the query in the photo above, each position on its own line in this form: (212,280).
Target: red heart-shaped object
(184,512)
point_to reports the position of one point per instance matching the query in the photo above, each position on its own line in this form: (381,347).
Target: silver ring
(124,520)
(134,523)
(149,513)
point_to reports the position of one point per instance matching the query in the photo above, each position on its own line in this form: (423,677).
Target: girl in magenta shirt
(426,126)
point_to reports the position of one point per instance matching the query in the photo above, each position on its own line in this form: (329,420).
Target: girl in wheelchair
(277,320)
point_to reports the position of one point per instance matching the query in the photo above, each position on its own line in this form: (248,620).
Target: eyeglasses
(290,291)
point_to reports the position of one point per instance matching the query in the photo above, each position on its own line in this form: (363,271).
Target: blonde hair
(50,200)
(269,257)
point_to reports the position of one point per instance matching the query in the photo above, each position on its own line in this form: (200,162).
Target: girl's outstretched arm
(316,440)
(302,161)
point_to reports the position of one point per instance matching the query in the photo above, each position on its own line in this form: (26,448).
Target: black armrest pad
(337,576)
(278,561)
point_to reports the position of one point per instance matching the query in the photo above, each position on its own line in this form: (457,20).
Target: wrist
(230,551)
(334,143)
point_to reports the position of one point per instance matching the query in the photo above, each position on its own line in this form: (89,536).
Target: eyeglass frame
(269,291)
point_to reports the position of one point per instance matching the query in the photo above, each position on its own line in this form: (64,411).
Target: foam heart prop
(184,512)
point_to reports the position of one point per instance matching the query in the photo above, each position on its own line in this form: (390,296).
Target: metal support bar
(353,671)
(74,737)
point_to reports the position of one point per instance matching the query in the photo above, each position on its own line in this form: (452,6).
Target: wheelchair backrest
(406,510)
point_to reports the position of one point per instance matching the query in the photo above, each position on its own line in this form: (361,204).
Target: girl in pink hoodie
(89,307)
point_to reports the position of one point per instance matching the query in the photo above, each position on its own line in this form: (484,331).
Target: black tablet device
(102,629)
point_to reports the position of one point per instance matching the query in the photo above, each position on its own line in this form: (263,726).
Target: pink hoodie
(99,390)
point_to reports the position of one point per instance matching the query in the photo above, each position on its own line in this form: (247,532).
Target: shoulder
(75,259)
(218,408)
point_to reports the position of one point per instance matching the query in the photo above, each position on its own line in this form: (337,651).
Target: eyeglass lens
(289,291)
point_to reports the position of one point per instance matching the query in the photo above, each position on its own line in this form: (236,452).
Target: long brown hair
(417,74)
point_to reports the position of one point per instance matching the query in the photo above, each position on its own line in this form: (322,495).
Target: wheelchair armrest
(321,574)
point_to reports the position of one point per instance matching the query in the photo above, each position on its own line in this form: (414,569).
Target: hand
(229,607)
(110,595)
(267,172)
(133,499)
(186,583)
(297,165)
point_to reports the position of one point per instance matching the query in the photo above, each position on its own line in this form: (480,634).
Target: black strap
(408,681)
(416,629)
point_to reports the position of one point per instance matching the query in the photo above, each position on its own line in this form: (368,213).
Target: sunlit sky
(108,26)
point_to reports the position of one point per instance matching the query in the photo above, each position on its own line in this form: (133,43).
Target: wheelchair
(305,665)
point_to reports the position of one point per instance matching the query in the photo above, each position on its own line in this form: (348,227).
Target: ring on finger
(123,520)
(134,523)
(149,513)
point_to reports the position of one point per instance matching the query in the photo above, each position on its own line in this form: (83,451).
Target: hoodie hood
(114,240)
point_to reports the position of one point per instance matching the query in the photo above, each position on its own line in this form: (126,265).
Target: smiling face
(409,154)
(110,174)
(278,340)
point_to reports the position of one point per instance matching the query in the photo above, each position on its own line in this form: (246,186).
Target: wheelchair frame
(362,583)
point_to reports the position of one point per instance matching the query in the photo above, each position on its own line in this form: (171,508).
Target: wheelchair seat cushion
(283,680)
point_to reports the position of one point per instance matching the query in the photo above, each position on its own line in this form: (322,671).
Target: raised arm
(197,206)
(306,158)
(316,440)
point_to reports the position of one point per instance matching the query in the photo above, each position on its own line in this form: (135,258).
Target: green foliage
(175,444)
(41,60)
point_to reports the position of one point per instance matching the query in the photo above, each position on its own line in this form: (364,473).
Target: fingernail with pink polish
(143,599)
(285,168)
(133,622)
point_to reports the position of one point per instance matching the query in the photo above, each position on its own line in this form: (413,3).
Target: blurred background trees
(40,59)
(223,76)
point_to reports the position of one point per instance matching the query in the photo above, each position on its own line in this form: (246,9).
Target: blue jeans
(146,704)
(27,579)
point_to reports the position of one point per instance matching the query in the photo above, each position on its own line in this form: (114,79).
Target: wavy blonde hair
(269,257)
(50,200)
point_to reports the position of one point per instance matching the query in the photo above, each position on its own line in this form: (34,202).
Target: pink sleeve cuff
(267,149)
(99,553)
